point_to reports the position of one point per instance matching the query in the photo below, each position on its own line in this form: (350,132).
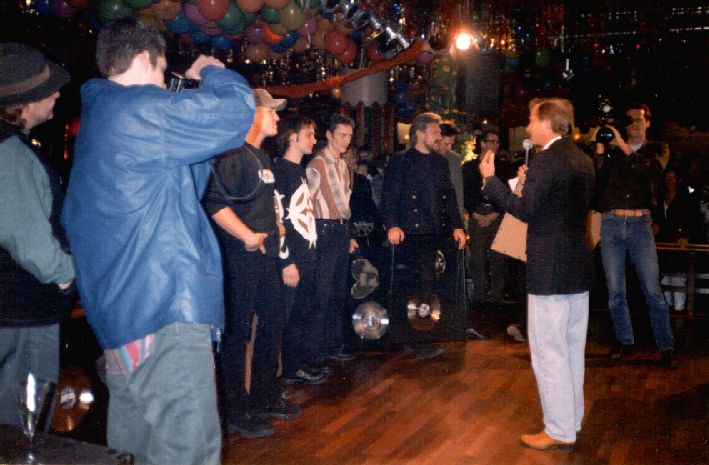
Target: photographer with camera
(628,173)
(148,266)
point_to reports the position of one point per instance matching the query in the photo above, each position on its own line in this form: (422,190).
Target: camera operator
(627,174)
(148,265)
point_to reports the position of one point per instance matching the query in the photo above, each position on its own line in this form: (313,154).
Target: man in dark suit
(557,193)
(418,199)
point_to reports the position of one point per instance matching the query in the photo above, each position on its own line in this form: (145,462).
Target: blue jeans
(633,234)
(557,340)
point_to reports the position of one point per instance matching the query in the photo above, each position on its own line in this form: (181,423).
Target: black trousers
(252,286)
(331,281)
(304,325)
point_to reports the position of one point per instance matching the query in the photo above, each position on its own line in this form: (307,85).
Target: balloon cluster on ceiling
(349,29)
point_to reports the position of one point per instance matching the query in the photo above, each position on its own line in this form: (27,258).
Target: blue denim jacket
(144,251)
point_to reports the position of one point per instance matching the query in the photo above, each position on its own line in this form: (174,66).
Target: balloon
(211,29)
(166,9)
(291,17)
(249,17)
(303,4)
(278,29)
(62,9)
(221,43)
(254,33)
(318,39)
(200,37)
(256,52)
(249,6)
(108,10)
(349,55)
(233,36)
(180,24)
(138,4)
(279,48)
(335,42)
(425,58)
(194,15)
(269,15)
(271,37)
(325,24)
(372,53)
(79,4)
(185,38)
(145,13)
(233,20)
(276,4)
(400,97)
(213,9)
(309,28)
(301,45)
(290,39)
(155,22)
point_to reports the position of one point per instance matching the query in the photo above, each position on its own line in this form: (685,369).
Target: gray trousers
(33,349)
(165,412)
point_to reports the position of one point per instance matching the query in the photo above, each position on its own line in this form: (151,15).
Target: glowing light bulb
(464,40)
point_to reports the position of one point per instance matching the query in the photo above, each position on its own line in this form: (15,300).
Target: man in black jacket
(557,194)
(418,199)
(241,201)
(36,270)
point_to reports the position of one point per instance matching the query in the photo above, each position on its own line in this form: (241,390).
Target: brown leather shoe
(542,441)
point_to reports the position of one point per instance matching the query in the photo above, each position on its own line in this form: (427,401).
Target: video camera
(178,83)
(608,116)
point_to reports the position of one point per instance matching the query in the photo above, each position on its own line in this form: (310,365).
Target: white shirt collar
(551,142)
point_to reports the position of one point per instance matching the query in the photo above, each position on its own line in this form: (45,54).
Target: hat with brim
(264,99)
(26,76)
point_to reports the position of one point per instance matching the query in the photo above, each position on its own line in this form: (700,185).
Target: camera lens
(604,136)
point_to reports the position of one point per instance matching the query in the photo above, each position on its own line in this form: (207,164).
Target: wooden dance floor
(469,406)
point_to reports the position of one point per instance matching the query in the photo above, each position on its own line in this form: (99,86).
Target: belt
(622,212)
(338,221)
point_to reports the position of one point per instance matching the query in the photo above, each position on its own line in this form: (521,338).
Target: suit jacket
(408,200)
(555,203)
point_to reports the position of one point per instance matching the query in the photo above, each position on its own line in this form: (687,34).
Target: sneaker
(514,332)
(669,359)
(306,375)
(620,351)
(250,426)
(429,351)
(279,408)
(472,333)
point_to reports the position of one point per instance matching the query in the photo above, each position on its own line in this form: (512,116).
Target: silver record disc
(423,314)
(439,265)
(370,320)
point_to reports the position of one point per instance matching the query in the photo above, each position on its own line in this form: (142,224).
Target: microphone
(527,145)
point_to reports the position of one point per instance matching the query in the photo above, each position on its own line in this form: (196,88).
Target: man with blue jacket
(148,264)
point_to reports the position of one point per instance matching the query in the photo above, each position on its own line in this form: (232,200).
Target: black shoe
(472,333)
(669,359)
(250,426)
(306,376)
(342,356)
(620,351)
(429,351)
(278,408)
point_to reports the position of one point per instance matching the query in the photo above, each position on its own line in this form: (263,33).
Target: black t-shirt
(296,209)
(243,181)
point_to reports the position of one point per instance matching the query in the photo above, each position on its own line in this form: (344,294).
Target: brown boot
(542,441)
